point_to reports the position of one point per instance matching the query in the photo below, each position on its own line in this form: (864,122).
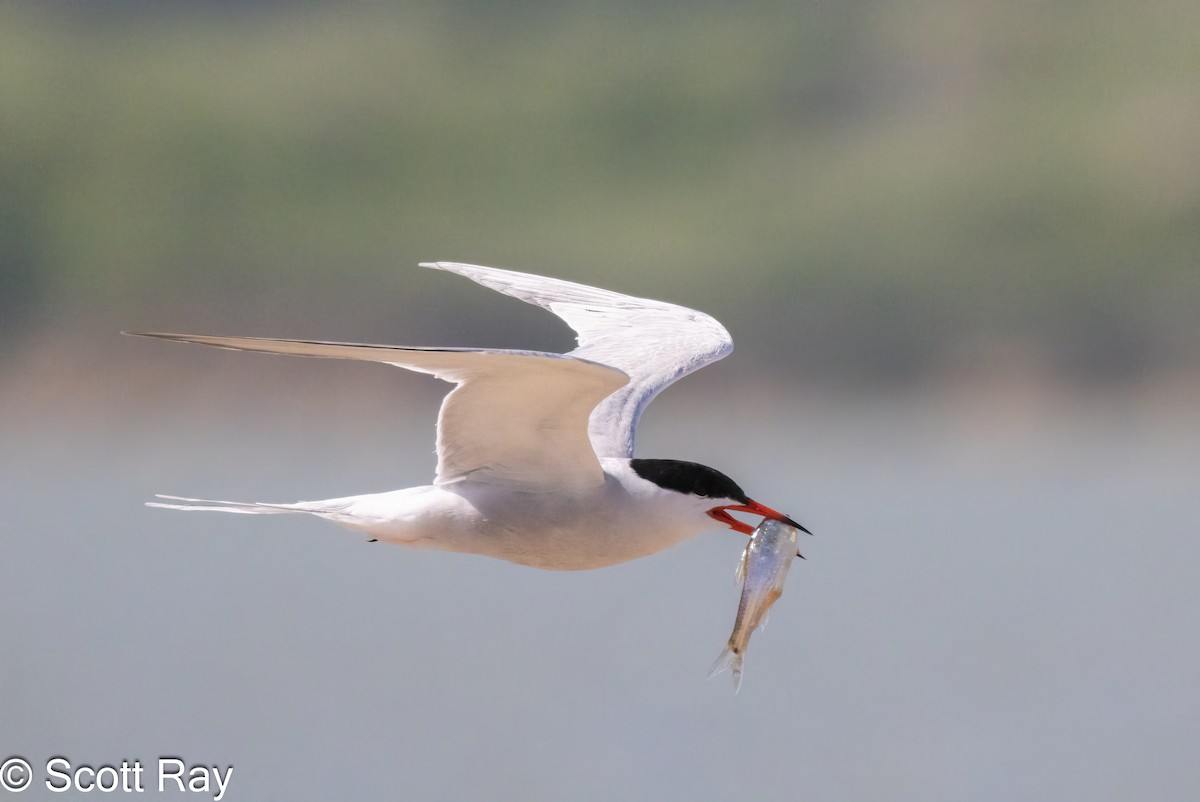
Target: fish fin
(763,623)
(739,573)
(728,659)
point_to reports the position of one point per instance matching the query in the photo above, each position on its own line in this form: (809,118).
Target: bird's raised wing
(654,343)
(517,418)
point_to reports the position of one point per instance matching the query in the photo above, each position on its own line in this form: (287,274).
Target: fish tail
(730,659)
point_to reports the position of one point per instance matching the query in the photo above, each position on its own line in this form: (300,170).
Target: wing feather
(653,342)
(516,418)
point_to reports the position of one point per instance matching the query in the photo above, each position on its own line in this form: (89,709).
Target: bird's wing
(516,418)
(654,343)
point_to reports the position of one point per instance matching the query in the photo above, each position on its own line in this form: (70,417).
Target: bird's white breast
(624,519)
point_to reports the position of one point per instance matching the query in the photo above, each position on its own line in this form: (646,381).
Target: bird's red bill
(754,508)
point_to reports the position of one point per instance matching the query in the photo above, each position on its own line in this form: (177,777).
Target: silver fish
(762,572)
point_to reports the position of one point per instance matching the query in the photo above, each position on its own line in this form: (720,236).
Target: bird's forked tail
(242,507)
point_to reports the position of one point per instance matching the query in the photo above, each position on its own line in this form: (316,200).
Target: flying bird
(535,450)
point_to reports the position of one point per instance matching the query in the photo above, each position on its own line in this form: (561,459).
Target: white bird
(535,450)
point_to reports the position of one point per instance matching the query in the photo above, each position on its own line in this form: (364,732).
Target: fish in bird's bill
(763,571)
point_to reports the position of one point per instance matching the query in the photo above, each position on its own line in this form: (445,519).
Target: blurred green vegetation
(862,189)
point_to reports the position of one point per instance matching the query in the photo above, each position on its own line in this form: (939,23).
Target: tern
(535,450)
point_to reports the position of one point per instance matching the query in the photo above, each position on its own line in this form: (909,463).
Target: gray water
(1000,603)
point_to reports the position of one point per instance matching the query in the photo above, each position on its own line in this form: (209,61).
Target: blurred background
(958,246)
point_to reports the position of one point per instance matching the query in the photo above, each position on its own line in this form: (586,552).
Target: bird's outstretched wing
(654,343)
(516,418)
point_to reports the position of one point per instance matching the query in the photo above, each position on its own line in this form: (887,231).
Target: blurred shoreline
(876,194)
(72,384)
